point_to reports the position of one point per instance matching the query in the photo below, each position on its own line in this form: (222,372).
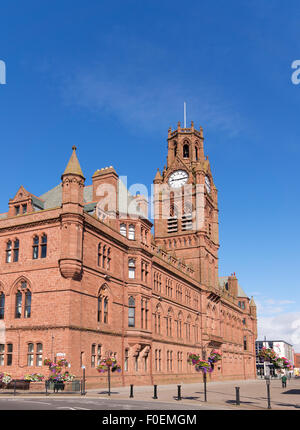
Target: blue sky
(112,76)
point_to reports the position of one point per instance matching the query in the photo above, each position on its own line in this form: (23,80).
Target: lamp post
(109,364)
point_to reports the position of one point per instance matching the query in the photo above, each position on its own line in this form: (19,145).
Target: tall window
(144,313)
(98,354)
(102,309)
(131,312)
(35,248)
(16,250)
(24,208)
(39,354)
(2,349)
(186,151)
(104,256)
(99,313)
(99,254)
(108,259)
(196,153)
(131,268)
(105,310)
(144,272)
(18,312)
(9,355)
(126,359)
(17,210)
(44,246)
(8,251)
(131,232)
(30,354)
(2,305)
(123,230)
(27,304)
(93,355)
(245,343)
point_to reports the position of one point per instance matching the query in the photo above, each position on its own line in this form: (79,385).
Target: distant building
(296,364)
(282,348)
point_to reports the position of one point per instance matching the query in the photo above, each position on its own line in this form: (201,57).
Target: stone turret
(72,219)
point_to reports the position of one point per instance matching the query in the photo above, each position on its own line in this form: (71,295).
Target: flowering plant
(56,370)
(203,365)
(5,378)
(34,377)
(107,363)
(268,354)
(215,356)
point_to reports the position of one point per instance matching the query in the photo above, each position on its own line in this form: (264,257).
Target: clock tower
(186,205)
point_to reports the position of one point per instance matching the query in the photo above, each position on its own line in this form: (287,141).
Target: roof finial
(74,148)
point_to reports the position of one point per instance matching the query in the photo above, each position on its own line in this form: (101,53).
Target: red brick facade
(90,283)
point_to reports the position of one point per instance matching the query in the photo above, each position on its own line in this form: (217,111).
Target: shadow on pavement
(106,392)
(291,392)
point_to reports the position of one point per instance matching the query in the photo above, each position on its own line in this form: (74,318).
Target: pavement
(220,396)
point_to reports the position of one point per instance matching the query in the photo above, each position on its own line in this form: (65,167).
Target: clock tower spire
(186,204)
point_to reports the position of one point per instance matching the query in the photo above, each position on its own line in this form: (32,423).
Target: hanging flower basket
(270,356)
(204,365)
(107,363)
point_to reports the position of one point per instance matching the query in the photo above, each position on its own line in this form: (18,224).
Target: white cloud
(285,327)
(150,103)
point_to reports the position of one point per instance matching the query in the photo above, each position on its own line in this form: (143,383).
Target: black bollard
(131,391)
(268,393)
(179,392)
(237,395)
(155,392)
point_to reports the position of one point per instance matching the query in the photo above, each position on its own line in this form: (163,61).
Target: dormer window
(17,210)
(24,208)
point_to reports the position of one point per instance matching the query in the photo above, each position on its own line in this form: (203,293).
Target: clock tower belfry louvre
(186,205)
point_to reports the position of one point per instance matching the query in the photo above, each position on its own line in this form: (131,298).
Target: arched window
(16,250)
(102,312)
(123,230)
(131,312)
(131,232)
(131,268)
(175,149)
(18,310)
(186,151)
(196,153)
(2,305)
(35,248)
(27,312)
(44,246)
(8,251)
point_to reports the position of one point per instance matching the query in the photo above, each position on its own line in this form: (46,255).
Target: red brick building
(79,277)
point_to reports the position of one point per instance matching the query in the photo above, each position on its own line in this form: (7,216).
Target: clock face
(207,183)
(178,178)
